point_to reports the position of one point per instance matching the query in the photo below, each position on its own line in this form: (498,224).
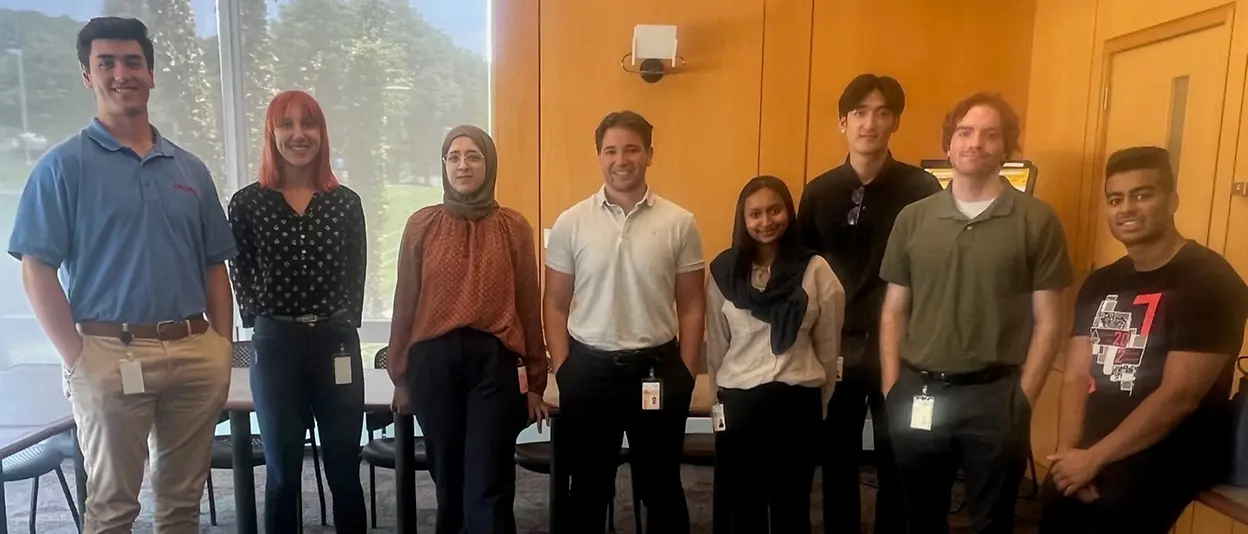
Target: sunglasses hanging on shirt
(855,212)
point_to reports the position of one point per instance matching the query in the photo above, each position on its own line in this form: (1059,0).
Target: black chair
(379,451)
(38,460)
(535,457)
(222,446)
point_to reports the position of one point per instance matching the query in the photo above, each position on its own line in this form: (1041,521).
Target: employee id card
(131,377)
(651,394)
(921,412)
(717,418)
(342,367)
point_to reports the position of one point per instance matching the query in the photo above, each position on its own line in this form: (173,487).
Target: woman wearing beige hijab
(466,346)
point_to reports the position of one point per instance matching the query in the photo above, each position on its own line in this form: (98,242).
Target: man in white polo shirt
(624,312)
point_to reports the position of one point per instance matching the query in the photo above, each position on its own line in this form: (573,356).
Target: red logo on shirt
(187,188)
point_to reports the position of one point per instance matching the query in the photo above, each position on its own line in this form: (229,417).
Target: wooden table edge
(1224,504)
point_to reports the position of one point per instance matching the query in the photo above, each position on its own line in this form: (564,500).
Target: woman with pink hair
(299,281)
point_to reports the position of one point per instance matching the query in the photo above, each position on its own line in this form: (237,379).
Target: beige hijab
(479,203)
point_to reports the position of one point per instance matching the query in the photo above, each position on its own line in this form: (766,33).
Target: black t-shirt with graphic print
(1137,319)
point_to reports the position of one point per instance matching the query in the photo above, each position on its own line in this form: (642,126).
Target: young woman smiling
(299,280)
(774,313)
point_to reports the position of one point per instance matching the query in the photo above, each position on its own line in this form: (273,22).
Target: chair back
(376,421)
(244,355)
(382,359)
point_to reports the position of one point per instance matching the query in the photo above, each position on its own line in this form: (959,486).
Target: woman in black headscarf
(774,313)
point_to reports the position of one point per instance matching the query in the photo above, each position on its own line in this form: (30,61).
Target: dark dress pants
(980,425)
(858,391)
(465,390)
(765,459)
(600,401)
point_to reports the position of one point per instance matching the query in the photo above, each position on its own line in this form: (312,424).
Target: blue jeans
(293,381)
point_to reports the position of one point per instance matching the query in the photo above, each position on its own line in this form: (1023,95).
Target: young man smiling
(632,262)
(135,223)
(1144,426)
(970,325)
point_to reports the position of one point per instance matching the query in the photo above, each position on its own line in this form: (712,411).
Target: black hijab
(782,303)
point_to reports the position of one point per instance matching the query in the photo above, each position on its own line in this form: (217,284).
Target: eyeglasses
(473,158)
(856,211)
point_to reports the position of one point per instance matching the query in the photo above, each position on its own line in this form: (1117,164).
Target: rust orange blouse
(456,273)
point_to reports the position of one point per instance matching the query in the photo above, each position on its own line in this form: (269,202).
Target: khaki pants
(185,385)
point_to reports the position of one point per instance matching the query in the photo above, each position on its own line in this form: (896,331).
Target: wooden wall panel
(1044,416)
(1207,521)
(1057,109)
(1120,17)
(516,128)
(786,91)
(941,52)
(706,118)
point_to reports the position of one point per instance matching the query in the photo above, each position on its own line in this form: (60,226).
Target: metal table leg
(80,480)
(405,473)
(4,512)
(558,480)
(244,479)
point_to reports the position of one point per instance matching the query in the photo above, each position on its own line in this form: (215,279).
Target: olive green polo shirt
(971,280)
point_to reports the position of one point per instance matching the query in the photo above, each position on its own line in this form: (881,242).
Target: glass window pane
(392,78)
(43,101)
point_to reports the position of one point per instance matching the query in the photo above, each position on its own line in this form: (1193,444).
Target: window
(393,78)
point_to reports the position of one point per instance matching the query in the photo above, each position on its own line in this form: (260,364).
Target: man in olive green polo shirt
(970,325)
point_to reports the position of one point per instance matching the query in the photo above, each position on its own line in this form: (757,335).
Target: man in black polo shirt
(970,325)
(846,214)
(1144,424)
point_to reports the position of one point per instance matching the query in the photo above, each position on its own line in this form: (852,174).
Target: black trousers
(983,428)
(293,380)
(858,390)
(765,459)
(1141,494)
(600,400)
(466,394)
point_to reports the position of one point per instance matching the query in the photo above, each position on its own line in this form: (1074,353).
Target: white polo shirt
(624,268)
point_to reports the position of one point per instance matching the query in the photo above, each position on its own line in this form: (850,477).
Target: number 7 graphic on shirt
(1151,300)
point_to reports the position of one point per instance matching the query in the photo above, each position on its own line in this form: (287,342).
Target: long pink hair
(271,162)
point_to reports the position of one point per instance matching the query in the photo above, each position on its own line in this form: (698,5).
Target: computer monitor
(1021,173)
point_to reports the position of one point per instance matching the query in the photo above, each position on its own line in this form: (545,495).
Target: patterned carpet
(53,514)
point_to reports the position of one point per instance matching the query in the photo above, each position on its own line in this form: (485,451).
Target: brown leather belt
(164,331)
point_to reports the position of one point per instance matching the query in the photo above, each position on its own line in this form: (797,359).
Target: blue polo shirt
(134,236)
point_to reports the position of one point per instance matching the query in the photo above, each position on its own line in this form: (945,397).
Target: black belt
(982,376)
(855,333)
(307,318)
(647,356)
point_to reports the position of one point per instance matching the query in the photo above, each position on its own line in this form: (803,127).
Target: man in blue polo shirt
(134,224)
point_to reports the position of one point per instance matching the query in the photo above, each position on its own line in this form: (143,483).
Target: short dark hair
(1140,158)
(630,120)
(1010,129)
(865,84)
(122,29)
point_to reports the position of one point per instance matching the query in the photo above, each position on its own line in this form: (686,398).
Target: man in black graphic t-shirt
(1144,406)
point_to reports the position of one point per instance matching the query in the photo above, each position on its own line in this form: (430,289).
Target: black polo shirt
(855,251)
